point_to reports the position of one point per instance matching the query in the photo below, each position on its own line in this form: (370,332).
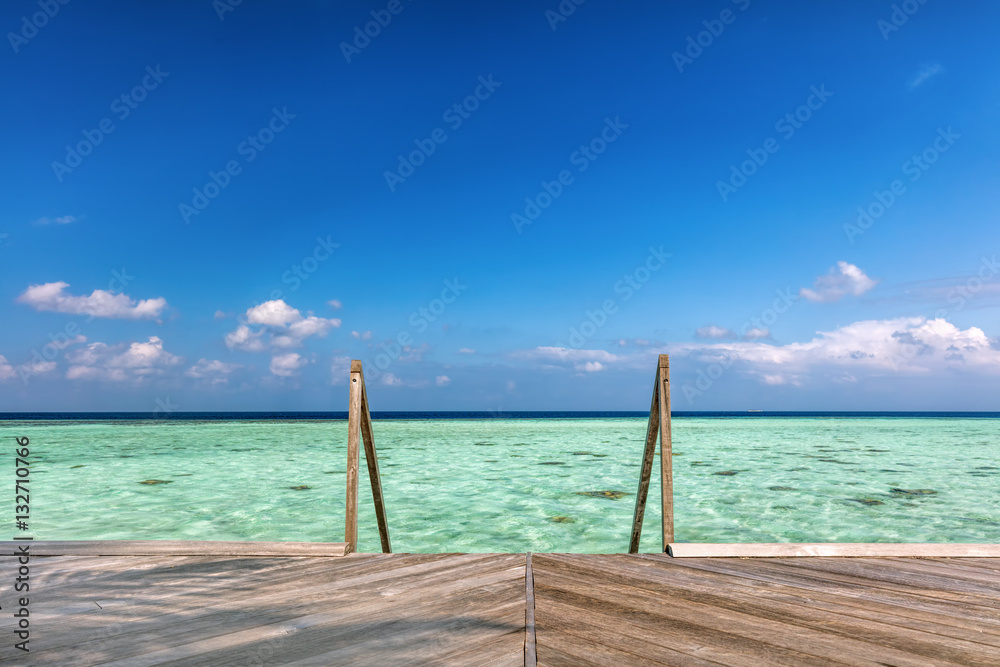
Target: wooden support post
(666,452)
(353,442)
(372,459)
(657,426)
(652,431)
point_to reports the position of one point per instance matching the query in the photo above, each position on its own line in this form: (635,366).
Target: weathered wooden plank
(946,610)
(904,614)
(179,548)
(530,655)
(353,456)
(832,549)
(371,457)
(656,613)
(416,639)
(876,574)
(346,623)
(666,454)
(686,590)
(646,471)
(186,616)
(618,642)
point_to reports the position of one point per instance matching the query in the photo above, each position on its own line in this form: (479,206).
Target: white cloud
(287,365)
(340,370)
(842,280)
(442,380)
(219,315)
(908,346)
(926,73)
(335,304)
(62,220)
(214,371)
(361,336)
(119,363)
(283,325)
(52,297)
(754,334)
(244,339)
(589,367)
(275,313)
(391,380)
(6,370)
(712,331)
(466,350)
(564,354)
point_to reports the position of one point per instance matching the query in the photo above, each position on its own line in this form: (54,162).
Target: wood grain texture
(646,471)
(353,455)
(530,654)
(830,549)
(666,454)
(371,457)
(654,609)
(363,609)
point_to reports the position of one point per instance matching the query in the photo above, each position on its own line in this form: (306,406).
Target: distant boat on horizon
(755,411)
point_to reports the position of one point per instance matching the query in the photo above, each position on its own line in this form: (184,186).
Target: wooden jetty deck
(476,609)
(213,604)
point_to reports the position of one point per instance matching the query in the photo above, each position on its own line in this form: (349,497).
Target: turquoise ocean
(563,483)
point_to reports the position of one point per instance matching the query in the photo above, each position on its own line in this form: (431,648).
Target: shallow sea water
(516,484)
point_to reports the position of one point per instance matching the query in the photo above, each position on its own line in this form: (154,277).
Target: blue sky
(211,206)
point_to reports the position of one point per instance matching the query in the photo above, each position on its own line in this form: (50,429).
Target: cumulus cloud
(278,325)
(62,220)
(361,336)
(100,303)
(442,380)
(335,304)
(220,315)
(842,280)
(120,363)
(908,346)
(287,365)
(245,339)
(466,350)
(214,371)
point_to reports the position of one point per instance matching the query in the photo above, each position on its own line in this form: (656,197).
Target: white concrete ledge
(173,548)
(833,549)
